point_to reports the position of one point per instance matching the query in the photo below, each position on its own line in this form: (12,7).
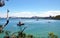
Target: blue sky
(31,7)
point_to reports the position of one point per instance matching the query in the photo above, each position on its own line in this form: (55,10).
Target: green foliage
(52,35)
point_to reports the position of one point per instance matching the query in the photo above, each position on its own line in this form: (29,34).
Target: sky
(29,8)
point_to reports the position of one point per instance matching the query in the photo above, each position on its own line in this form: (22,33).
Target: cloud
(30,14)
(3,15)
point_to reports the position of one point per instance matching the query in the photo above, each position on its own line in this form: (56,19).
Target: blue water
(39,28)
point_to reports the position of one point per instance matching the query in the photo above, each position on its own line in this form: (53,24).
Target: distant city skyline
(29,8)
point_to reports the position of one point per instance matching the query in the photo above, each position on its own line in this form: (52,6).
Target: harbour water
(39,28)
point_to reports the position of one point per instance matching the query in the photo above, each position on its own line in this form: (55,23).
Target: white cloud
(30,14)
(3,15)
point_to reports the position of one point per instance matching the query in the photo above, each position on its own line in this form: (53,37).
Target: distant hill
(36,17)
(57,17)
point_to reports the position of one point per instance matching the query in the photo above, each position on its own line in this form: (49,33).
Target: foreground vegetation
(24,35)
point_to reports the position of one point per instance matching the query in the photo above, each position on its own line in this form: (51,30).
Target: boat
(20,24)
(49,22)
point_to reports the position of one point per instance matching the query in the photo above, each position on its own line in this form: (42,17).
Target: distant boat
(37,19)
(49,22)
(20,24)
